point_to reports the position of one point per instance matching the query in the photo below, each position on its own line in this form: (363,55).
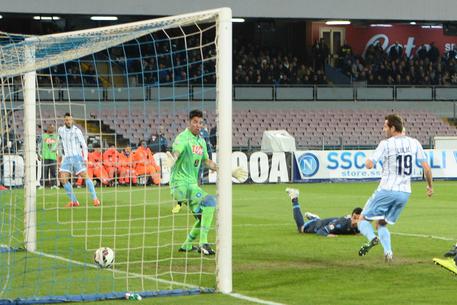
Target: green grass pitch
(271,261)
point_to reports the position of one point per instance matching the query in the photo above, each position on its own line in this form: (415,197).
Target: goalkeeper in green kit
(188,152)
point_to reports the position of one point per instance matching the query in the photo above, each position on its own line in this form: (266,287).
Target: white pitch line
(235,295)
(148,277)
(425,236)
(262,225)
(176,227)
(251,299)
(395,233)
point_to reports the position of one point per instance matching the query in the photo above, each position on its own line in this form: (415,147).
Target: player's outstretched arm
(428,178)
(323,231)
(377,155)
(171,158)
(83,144)
(240,174)
(211,165)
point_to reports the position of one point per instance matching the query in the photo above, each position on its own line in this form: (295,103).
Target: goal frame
(224,148)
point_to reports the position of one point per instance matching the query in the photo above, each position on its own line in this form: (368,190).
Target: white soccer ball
(104,257)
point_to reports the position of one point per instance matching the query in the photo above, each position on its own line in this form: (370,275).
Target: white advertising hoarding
(307,166)
(350,165)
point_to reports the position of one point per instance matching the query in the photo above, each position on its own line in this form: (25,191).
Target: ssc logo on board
(308,164)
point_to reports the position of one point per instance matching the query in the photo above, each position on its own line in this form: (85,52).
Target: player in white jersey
(73,149)
(397,153)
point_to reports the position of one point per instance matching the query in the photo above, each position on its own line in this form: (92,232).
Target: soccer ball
(104,257)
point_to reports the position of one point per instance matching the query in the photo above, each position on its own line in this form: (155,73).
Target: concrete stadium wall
(352,9)
(442,109)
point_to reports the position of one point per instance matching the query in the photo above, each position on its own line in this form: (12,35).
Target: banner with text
(350,165)
(307,166)
(409,36)
(261,168)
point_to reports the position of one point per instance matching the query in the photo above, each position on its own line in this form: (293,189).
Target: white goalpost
(123,85)
(30,224)
(224,105)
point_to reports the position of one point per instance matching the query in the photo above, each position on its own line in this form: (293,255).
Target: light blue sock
(91,187)
(69,190)
(384,237)
(366,229)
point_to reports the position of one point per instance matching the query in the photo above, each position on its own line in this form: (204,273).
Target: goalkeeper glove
(176,208)
(240,174)
(170,160)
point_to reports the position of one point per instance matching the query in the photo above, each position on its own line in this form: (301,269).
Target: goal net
(129,89)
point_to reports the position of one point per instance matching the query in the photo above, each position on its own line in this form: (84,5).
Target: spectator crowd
(170,64)
(393,67)
(255,65)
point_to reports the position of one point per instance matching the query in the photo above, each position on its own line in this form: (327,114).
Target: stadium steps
(105,81)
(111,136)
(96,128)
(451,121)
(335,76)
(103,68)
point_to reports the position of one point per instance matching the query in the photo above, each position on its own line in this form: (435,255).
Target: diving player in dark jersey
(329,227)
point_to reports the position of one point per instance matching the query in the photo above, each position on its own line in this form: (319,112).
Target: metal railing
(250,93)
(344,93)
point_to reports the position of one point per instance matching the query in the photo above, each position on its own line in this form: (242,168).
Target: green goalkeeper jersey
(192,151)
(49,146)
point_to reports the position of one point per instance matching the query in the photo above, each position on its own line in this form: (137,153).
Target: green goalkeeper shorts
(190,194)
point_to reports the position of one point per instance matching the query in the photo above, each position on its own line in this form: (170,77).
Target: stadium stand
(16,122)
(378,67)
(310,127)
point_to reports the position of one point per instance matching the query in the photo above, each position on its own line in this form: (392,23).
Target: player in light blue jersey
(73,152)
(398,153)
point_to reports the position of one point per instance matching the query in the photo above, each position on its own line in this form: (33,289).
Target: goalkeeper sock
(91,187)
(207,220)
(384,237)
(366,229)
(297,215)
(69,190)
(193,234)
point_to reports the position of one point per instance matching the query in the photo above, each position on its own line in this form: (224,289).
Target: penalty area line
(148,277)
(394,233)
(424,236)
(251,299)
(234,295)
